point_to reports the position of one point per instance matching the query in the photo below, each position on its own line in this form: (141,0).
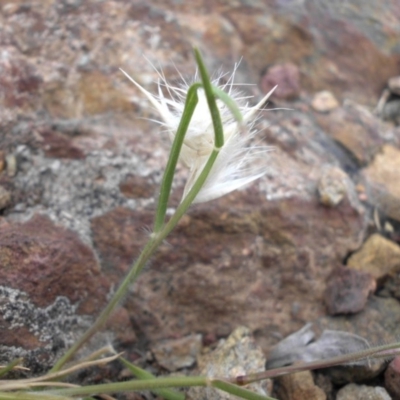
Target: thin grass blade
(238,391)
(142,374)
(10,366)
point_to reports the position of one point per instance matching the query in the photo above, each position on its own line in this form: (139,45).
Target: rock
(391,111)
(5,198)
(2,161)
(329,337)
(334,184)
(305,346)
(51,289)
(20,81)
(378,256)
(362,392)
(135,186)
(347,291)
(323,382)
(302,34)
(45,261)
(175,354)
(118,236)
(235,356)
(392,378)
(286,77)
(57,145)
(298,386)
(394,85)
(381,177)
(279,260)
(377,323)
(300,142)
(356,129)
(11,165)
(324,101)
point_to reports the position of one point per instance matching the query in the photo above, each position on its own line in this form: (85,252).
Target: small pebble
(286,77)
(394,85)
(11,162)
(378,256)
(347,290)
(332,186)
(178,353)
(299,386)
(362,392)
(324,102)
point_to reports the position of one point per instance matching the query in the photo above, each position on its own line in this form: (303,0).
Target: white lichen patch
(56,325)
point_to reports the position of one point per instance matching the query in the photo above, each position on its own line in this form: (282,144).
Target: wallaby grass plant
(210,134)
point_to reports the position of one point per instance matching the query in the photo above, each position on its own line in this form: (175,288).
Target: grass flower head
(235,165)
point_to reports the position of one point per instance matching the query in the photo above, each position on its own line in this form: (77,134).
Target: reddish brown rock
(73,71)
(260,259)
(321,40)
(392,378)
(20,81)
(286,77)
(57,145)
(135,186)
(46,261)
(119,236)
(347,291)
(50,284)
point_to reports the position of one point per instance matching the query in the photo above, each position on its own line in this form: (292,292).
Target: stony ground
(313,241)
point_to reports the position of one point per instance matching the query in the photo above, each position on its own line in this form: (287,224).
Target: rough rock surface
(179,353)
(356,129)
(378,256)
(298,386)
(347,291)
(324,101)
(286,79)
(382,177)
(361,392)
(392,378)
(81,161)
(378,323)
(237,355)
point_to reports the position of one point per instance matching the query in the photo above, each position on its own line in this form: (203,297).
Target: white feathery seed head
(235,165)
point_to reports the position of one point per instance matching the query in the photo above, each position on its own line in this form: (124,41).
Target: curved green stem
(212,104)
(165,189)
